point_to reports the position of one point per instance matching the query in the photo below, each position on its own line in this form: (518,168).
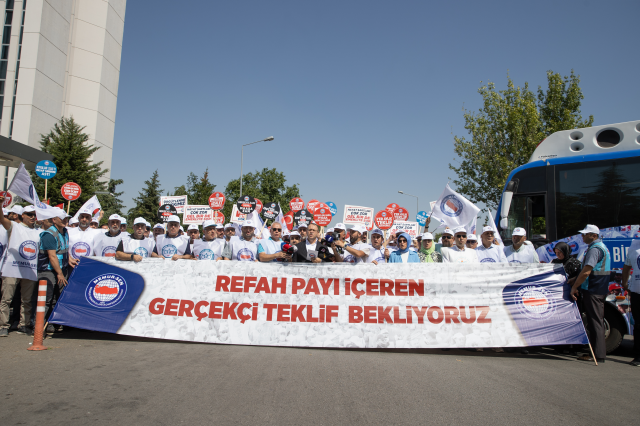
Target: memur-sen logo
(637,261)
(109,251)
(487,259)
(574,247)
(80,249)
(141,251)
(534,301)
(169,250)
(245,255)
(206,254)
(451,206)
(106,291)
(28,250)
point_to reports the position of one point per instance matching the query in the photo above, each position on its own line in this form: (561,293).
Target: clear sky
(362,97)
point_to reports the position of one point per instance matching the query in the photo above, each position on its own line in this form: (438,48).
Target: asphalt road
(102,379)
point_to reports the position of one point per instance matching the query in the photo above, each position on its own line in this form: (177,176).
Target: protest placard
(178,201)
(354,215)
(196,215)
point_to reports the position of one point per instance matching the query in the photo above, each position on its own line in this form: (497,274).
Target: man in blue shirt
(54,263)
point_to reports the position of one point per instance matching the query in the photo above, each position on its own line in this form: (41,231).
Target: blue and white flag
(453,209)
(23,187)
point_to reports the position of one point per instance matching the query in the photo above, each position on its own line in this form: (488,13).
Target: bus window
(528,212)
(598,193)
(517,216)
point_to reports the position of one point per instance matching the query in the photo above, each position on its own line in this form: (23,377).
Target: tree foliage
(268,185)
(197,189)
(147,202)
(111,204)
(73,156)
(506,130)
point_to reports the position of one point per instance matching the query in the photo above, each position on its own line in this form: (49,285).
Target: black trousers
(593,305)
(635,311)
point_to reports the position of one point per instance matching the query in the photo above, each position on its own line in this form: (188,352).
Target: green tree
(111,203)
(148,201)
(73,156)
(506,130)
(197,189)
(268,185)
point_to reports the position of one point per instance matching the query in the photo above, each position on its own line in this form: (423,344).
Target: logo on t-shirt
(141,251)
(349,259)
(487,259)
(451,206)
(637,261)
(169,250)
(106,291)
(534,301)
(109,251)
(245,255)
(206,254)
(80,249)
(28,250)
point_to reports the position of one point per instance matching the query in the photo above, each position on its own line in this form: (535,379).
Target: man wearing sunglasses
(447,238)
(269,250)
(20,267)
(459,253)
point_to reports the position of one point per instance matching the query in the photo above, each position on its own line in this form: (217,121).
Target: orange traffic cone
(38,331)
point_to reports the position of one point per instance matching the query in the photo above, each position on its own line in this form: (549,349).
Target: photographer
(355,251)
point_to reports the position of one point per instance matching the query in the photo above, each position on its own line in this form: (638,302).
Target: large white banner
(327,305)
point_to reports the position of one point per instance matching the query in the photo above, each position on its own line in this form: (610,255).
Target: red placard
(296,204)
(400,214)
(288,220)
(60,206)
(322,215)
(391,207)
(218,217)
(71,191)
(216,201)
(258,206)
(8,198)
(312,205)
(383,219)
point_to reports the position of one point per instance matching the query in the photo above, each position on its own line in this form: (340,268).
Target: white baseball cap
(73,220)
(158,225)
(340,226)
(294,234)
(5,211)
(330,230)
(138,220)
(472,237)
(590,229)
(448,232)
(219,226)
(248,223)
(377,231)
(360,228)
(192,227)
(302,225)
(427,236)
(84,211)
(60,213)
(460,229)
(518,232)
(208,223)
(173,218)
(487,229)
(28,209)
(123,221)
(115,216)
(229,225)
(16,209)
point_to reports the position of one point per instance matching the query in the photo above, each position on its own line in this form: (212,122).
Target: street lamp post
(270,138)
(417,201)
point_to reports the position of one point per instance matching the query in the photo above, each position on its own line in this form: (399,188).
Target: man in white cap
(15,214)
(270,250)
(54,264)
(123,224)
(147,230)
(593,282)
(294,238)
(73,223)
(472,241)
(229,232)
(355,251)
(429,251)
(136,247)
(459,253)
(193,232)
(242,249)
(106,243)
(158,229)
(20,267)
(488,251)
(82,238)
(520,252)
(208,247)
(220,231)
(447,238)
(376,248)
(172,245)
(631,283)
(302,230)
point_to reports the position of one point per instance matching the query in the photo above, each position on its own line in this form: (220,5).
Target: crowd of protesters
(64,240)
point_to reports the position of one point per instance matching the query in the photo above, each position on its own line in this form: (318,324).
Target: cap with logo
(359,228)
(248,223)
(59,213)
(229,226)
(294,234)
(138,220)
(208,223)
(193,227)
(158,226)
(28,209)
(427,236)
(340,226)
(219,226)
(377,232)
(73,220)
(472,237)
(174,218)
(519,232)
(448,232)
(487,229)
(17,210)
(460,229)
(115,216)
(590,229)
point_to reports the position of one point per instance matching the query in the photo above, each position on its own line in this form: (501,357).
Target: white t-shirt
(455,255)
(526,254)
(354,260)
(633,260)
(376,254)
(493,254)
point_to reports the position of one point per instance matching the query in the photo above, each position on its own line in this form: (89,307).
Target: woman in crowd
(403,254)
(572,266)
(428,253)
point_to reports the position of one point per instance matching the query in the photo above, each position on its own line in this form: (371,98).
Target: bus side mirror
(506,205)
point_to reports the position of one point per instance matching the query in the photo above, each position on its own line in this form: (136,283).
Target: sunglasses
(446,237)
(276,230)
(461,236)
(30,214)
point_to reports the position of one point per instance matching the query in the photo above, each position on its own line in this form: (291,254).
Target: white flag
(471,228)
(453,209)
(91,207)
(492,223)
(22,186)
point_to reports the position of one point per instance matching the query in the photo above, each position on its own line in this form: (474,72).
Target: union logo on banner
(106,291)
(451,206)
(534,301)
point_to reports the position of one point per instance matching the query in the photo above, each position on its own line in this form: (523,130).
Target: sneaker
(4,332)
(635,362)
(50,329)
(25,330)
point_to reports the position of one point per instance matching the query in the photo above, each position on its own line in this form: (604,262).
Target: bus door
(527,211)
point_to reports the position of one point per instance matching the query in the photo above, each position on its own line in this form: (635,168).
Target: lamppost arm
(270,138)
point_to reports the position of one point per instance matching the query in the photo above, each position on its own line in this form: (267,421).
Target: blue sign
(421,218)
(332,207)
(618,249)
(46,169)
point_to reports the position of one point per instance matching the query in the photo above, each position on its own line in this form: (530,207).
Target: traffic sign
(46,169)
(71,191)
